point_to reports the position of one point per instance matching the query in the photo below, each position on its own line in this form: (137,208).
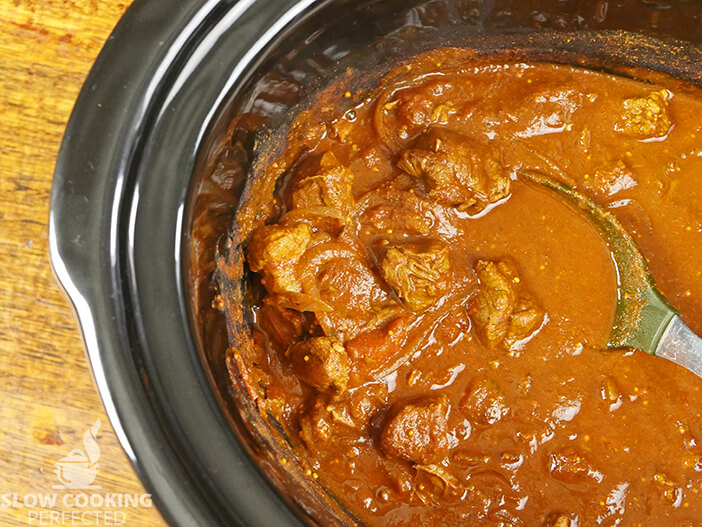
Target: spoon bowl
(644,319)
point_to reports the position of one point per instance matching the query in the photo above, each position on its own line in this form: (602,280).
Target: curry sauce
(429,329)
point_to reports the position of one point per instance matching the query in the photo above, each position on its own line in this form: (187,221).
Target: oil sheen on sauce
(430,328)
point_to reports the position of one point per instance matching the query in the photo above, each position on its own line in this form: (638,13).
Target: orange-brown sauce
(547,430)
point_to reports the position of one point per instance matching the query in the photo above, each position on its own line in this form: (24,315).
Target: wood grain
(47,398)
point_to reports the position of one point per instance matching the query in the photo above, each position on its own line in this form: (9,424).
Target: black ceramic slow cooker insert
(134,177)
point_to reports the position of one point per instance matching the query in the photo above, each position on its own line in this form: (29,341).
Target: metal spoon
(645,320)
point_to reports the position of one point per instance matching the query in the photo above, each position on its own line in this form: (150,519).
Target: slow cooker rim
(89,194)
(86,247)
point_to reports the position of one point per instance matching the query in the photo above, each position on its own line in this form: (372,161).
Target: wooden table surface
(47,397)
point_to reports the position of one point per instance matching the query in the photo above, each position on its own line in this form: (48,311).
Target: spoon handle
(682,346)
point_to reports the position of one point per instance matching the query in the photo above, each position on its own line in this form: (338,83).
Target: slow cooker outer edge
(88,190)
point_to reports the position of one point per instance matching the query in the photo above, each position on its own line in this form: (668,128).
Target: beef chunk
(322,362)
(423,106)
(645,117)
(315,425)
(274,251)
(548,110)
(495,300)
(418,433)
(570,466)
(417,273)
(355,409)
(341,278)
(348,415)
(525,319)
(609,181)
(324,182)
(501,311)
(457,171)
(484,402)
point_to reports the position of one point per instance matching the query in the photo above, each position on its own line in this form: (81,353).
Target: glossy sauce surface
(429,328)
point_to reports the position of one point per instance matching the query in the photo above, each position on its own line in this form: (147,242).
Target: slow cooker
(133,181)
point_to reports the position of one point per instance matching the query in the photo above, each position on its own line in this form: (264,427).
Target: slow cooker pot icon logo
(79,469)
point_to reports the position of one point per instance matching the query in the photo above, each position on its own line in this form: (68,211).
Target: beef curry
(429,329)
